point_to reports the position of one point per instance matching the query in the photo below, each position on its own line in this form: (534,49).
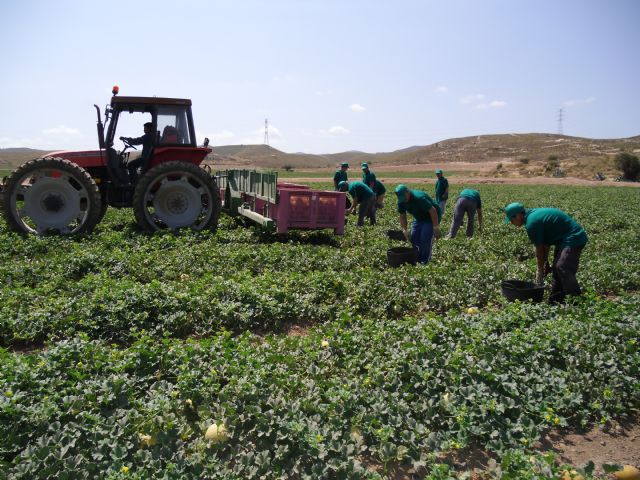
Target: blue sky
(330,75)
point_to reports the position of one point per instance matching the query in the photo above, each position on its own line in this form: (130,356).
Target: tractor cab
(173,139)
(172,131)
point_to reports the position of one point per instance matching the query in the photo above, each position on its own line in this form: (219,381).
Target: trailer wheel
(51,195)
(176,195)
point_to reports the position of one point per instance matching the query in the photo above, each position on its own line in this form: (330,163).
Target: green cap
(439,170)
(342,184)
(364,165)
(512,210)
(344,164)
(401,190)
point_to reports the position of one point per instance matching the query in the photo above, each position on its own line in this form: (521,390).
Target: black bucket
(396,235)
(397,256)
(520,290)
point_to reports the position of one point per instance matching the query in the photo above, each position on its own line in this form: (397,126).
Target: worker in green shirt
(426,219)
(363,198)
(340,175)
(442,190)
(468,202)
(380,190)
(368,177)
(546,227)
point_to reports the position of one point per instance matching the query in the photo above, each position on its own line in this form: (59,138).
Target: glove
(539,276)
(406,234)
(436,233)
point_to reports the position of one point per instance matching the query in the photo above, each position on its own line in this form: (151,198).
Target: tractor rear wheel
(51,194)
(175,195)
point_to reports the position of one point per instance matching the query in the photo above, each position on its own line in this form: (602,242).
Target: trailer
(279,206)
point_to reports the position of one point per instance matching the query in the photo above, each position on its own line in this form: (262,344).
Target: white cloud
(61,130)
(48,142)
(441,89)
(493,104)
(576,102)
(356,107)
(339,130)
(474,98)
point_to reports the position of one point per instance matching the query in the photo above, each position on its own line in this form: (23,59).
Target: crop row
(117,280)
(349,400)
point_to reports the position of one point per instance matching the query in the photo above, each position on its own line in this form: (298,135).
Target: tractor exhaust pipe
(100,127)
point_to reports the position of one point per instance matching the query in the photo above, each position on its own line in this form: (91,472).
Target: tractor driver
(147,144)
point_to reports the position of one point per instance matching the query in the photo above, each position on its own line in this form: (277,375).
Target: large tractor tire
(176,195)
(51,195)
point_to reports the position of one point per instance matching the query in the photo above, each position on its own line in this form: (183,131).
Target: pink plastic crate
(309,209)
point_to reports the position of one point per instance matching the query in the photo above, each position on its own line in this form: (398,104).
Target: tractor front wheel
(176,195)
(51,194)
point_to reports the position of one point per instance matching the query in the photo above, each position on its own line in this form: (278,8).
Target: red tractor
(69,192)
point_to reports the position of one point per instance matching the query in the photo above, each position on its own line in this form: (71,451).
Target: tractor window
(130,125)
(173,126)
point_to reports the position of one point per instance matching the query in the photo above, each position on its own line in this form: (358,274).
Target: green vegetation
(151,339)
(629,165)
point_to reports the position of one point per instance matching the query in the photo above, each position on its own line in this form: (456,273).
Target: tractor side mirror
(206,141)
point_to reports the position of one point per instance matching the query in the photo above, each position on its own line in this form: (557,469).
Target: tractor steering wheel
(126,143)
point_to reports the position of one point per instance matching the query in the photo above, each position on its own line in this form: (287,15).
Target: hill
(525,154)
(11,157)
(508,147)
(530,154)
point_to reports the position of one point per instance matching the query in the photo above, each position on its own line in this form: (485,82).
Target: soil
(617,443)
(466,172)
(489,180)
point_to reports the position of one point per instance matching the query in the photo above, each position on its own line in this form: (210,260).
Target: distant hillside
(266,157)
(529,152)
(11,157)
(530,147)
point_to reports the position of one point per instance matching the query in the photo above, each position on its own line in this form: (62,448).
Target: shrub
(629,165)
(524,161)
(287,168)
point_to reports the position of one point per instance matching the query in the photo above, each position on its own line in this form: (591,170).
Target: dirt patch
(472,458)
(459,180)
(616,443)
(298,330)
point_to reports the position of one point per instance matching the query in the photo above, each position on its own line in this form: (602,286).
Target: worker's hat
(512,210)
(439,170)
(342,184)
(401,190)
(344,164)
(364,165)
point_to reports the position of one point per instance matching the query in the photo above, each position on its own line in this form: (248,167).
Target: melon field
(312,358)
